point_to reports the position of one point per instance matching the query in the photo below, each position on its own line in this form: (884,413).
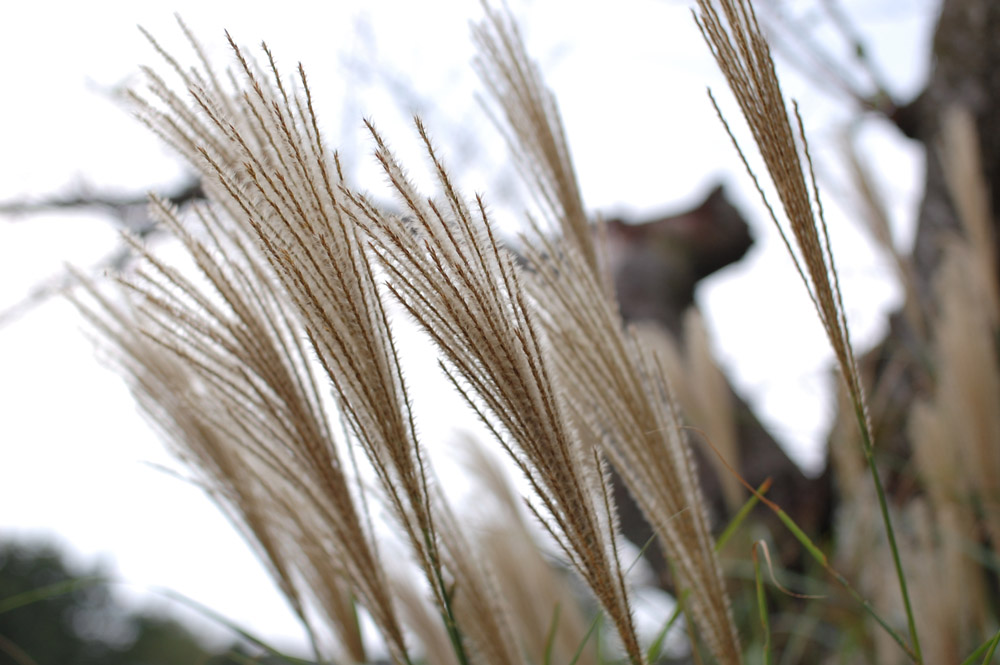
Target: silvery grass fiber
(274,373)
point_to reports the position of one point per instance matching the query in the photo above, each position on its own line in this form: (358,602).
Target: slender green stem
(737,521)
(447,611)
(866,441)
(49,591)
(653,652)
(586,638)
(550,637)
(219,618)
(762,608)
(992,648)
(820,558)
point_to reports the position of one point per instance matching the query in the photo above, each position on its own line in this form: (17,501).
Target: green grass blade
(654,650)
(741,515)
(220,619)
(586,638)
(762,608)
(868,447)
(68,586)
(49,591)
(987,647)
(993,647)
(820,558)
(817,554)
(550,637)
(599,617)
(597,639)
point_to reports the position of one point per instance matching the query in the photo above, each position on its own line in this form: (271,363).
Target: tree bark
(965,73)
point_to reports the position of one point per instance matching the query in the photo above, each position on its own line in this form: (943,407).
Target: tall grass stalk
(731,30)
(765,623)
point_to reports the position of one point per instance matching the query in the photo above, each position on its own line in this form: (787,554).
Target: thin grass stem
(741,515)
(762,608)
(550,635)
(447,611)
(817,554)
(218,618)
(656,646)
(50,591)
(883,504)
(586,638)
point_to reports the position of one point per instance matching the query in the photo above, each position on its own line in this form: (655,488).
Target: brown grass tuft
(447,269)
(743,55)
(220,368)
(618,399)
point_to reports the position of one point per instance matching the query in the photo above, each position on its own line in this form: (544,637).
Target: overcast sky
(630,81)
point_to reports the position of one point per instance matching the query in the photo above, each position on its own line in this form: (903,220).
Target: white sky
(631,85)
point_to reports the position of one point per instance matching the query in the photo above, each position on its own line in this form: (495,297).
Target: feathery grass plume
(544,608)
(166,392)
(264,160)
(260,424)
(618,398)
(484,615)
(744,57)
(731,30)
(534,131)
(447,269)
(703,395)
(965,355)
(423,620)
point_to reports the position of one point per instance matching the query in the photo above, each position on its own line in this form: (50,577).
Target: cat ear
(722,236)
(715,196)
